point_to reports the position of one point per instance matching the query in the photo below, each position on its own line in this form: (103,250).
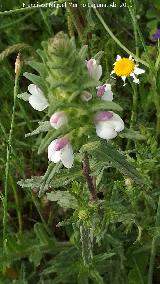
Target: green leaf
(33,182)
(131,134)
(24,96)
(83,52)
(63,198)
(106,105)
(66,177)
(109,154)
(35,79)
(52,170)
(43,127)
(39,67)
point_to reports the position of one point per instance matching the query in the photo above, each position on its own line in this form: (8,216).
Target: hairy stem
(89,179)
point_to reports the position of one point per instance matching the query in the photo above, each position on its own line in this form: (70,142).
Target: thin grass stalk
(8,156)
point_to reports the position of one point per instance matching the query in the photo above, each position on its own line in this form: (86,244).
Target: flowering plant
(82,121)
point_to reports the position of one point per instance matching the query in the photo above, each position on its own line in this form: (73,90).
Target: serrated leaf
(63,198)
(35,79)
(109,154)
(131,134)
(98,56)
(66,177)
(83,51)
(43,127)
(39,67)
(106,105)
(24,96)
(33,182)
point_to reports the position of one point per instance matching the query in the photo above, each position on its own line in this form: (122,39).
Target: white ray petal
(138,71)
(118,58)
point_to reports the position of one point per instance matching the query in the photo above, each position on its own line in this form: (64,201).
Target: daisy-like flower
(105,92)
(94,70)
(58,119)
(37,99)
(125,67)
(108,124)
(61,150)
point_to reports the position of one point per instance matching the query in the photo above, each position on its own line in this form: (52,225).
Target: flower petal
(116,122)
(38,102)
(37,99)
(138,71)
(118,58)
(58,119)
(67,156)
(108,96)
(105,131)
(107,87)
(53,155)
(124,80)
(135,79)
(34,90)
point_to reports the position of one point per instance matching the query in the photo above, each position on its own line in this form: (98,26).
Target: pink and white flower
(94,70)
(37,99)
(105,92)
(61,150)
(58,119)
(108,124)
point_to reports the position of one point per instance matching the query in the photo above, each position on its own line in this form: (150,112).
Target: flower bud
(58,119)
(94,70)
(86,96)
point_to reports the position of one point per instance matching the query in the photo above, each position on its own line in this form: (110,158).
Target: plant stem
(8,158)
(87,172)
(17,202)
(153,247)
(134,107)
(20,10)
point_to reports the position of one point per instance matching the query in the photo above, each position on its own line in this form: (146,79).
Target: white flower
(95,70)
(61,150)
(125,67)
(58,119)
(108,124)
(37,99)
(105,92)
(86,96)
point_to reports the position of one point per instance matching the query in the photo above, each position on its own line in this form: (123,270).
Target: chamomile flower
(126,67)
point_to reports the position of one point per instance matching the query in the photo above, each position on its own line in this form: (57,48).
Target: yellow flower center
(124,67)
